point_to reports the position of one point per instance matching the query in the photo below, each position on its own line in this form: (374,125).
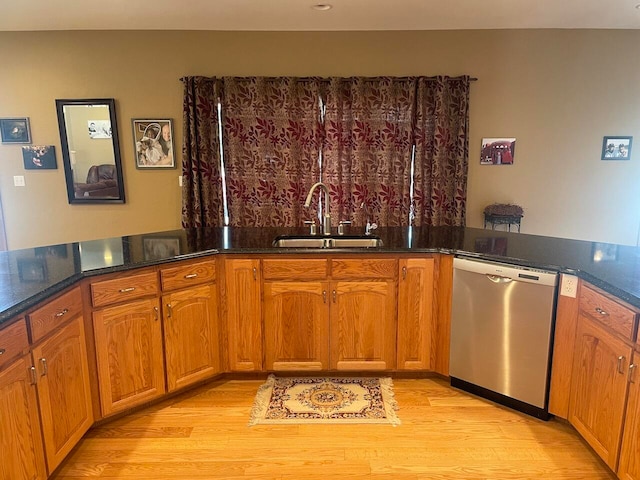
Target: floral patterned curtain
(442,151)
(367,148)
(271,139)
(202,185)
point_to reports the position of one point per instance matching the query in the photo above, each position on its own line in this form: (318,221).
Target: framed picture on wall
(39,157)
(498,151)
(616,148)
(153,143)
(15,130)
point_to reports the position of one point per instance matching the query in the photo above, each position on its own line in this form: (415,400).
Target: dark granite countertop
(32,275)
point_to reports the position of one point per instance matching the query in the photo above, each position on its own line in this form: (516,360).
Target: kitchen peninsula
(97,301)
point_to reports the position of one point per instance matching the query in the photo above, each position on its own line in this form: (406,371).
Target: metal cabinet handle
(632,368)
(126,290)
(34,378)
(620,361)
(601,311)
(190,276)
(155,309)
(255,273)
(45,368)
(62,313)
(334,296)
(324,296)
(2,350)
(404,273)
(169,310)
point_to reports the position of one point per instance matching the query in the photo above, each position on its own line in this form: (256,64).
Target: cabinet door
(630,455)
(63,390)
(296,317)
(415,313)
(244,320)
(598,388)
(129,354)
(363,325)
(191,335)
(21,454)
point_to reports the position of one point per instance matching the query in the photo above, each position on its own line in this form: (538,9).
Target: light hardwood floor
(445,434)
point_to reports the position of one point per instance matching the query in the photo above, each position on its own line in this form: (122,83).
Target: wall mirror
(91,150)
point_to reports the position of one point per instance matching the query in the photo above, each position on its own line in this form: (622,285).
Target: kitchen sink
(329,241)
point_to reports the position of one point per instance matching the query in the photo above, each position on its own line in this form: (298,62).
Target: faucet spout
(326,220)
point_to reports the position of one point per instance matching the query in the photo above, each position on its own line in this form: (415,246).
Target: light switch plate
(18,180)
(180,181)
(568,285)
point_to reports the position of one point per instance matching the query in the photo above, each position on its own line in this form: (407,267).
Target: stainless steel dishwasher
(502,318)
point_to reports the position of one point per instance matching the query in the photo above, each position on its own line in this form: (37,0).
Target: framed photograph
(616,148)
(157,248)
(15,130)
(32,269)
(153,143)
(99,128)
(39,157)
(604,252)
(498,151)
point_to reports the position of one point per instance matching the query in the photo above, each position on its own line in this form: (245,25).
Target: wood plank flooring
(445,434)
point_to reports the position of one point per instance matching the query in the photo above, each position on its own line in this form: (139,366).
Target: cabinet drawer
(56,312)
(187,275)
(608,312)
(305,269)
(13,342)
(363,268)
(123,289)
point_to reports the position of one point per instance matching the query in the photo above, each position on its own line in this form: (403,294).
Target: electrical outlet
(568,285)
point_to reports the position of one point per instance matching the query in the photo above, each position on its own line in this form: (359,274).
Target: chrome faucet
(369,226)
(326,217)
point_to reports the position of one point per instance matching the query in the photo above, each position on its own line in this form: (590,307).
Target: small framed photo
(32,269)
(39,157)
(15,130)
(157,248)
(498,151)
(616,148)
(99,128)
(153,143)
(604,252)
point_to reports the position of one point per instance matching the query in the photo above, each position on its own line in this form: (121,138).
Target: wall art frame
(15,130)
(616,147)
(153,143)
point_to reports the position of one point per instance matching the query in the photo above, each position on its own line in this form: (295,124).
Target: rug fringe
(391,405)
(261,402)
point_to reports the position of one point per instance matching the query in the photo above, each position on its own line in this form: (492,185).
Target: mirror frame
(66,157)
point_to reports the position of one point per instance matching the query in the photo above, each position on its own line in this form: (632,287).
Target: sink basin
(330,241)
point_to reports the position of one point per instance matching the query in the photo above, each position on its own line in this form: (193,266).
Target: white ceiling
(297,15)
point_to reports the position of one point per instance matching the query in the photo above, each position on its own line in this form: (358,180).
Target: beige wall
(557,91)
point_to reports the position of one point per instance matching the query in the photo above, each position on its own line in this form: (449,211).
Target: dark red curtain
(367,148)
(271,141)
(442,151)
(202,204)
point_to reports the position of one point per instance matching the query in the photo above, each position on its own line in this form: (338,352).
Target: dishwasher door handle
(498,278)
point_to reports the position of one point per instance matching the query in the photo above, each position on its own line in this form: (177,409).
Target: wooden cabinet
(415,313)
(191,325)
(599,386)
(363,314)
(21,450)
(244,314)
(128,341)
(63,390)
(629,468)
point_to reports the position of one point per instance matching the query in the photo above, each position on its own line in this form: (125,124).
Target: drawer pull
(632,368)
(127,290)
(404,273)
(45,368)
(620,361)
(62,313)
(190,276)
(601,311)
(2,350)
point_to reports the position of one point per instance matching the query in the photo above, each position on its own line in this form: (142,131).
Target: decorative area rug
(291,400)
